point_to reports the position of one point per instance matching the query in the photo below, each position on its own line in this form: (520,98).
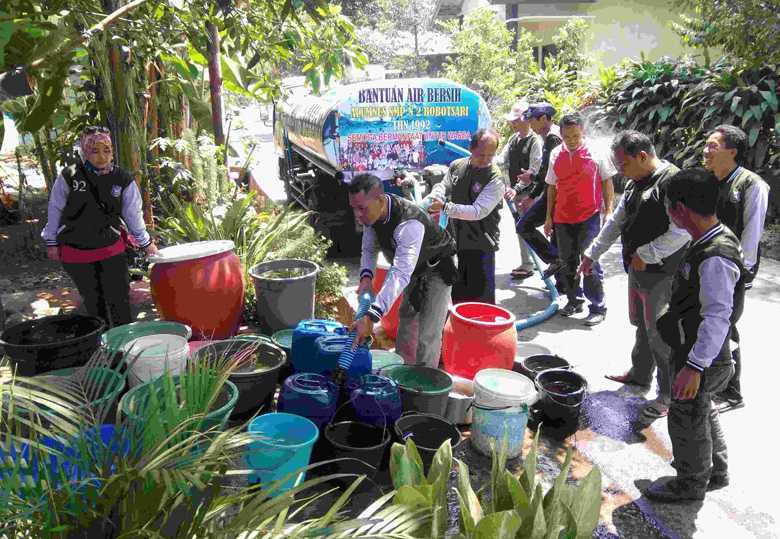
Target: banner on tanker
(384,125)
(381,126)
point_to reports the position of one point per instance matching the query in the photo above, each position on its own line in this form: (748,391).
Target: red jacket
(578,186)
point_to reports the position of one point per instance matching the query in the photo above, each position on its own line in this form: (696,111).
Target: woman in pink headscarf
(89,204)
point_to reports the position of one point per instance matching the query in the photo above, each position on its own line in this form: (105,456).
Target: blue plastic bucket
(491,425)
(282,444)
(329,350)
(304,347)
(310,395)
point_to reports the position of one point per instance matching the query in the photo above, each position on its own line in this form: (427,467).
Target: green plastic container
(423,389)
(381,359)
(283,339)
(137,397)
(115,339)
(113,384)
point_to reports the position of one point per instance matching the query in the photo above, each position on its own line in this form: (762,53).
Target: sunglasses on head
(96,129)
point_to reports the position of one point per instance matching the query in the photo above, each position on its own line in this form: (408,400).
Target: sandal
(521,273)
(624,379)
(655,410)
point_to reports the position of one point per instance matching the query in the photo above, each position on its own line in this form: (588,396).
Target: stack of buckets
(501,403)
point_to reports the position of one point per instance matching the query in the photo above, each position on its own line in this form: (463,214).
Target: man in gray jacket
(652,249)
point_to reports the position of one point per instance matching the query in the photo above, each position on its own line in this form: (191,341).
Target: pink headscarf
(88,142)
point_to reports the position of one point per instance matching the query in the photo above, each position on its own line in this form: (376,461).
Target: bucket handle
(552,398)
(350,400)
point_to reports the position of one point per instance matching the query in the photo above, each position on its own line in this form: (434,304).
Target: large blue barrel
(304,347)
(310,395)
(330,348)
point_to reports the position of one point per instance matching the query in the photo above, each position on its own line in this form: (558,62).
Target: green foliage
(278,233)
(512,507)
(747,30)
(485,62)
(679,102)
(186,486)
(417,491)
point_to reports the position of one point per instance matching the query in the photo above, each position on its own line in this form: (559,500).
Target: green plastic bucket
(115,339)
(423,389)
(381,359)
(134,399)
(112,386)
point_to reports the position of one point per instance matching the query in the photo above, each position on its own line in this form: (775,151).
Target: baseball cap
(539,109)
(517,111)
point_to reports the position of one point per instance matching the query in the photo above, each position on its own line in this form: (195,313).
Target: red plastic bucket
(478,336)
(200,284)
(390,320)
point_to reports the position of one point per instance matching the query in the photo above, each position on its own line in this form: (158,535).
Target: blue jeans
(573,239)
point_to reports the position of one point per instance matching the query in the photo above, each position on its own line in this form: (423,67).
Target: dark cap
(539,109)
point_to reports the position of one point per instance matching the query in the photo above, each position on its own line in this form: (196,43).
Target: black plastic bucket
(363,447)
(533,365)
(562,393)
(428,431)
(256,386)
(52,342)
(423,389)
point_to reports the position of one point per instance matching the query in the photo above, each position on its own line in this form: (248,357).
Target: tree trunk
(46,169)
(152,132)
(215,83)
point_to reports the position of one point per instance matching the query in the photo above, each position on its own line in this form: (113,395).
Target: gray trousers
(648,294)
(419,333)
(698,444)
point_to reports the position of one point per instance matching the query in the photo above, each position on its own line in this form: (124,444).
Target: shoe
(571,308)
(624,379)
(594,319)
(521,273)
(718,481)
(728,399)
(671,491)
(551,270)
(655,410)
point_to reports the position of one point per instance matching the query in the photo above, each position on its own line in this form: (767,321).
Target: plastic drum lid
(191,251)
(502,387)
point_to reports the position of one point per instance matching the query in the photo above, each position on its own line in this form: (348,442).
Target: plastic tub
(428,431)
(501,388)
(151,356)
(134,400)
(282,445)
(533,365)
(52,342)
(423,389)
(282,301)
(115,339)
(256,387)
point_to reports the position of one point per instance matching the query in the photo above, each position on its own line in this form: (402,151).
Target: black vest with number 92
(92,214)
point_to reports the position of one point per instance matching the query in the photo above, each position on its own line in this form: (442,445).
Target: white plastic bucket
(153,355)
(502,388)
(500,411)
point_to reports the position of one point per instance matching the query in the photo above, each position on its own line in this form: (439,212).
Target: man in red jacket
(577,182)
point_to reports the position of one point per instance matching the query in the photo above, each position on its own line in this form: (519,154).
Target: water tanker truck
(390,128)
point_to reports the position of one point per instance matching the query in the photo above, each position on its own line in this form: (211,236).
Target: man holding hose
(422,269)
